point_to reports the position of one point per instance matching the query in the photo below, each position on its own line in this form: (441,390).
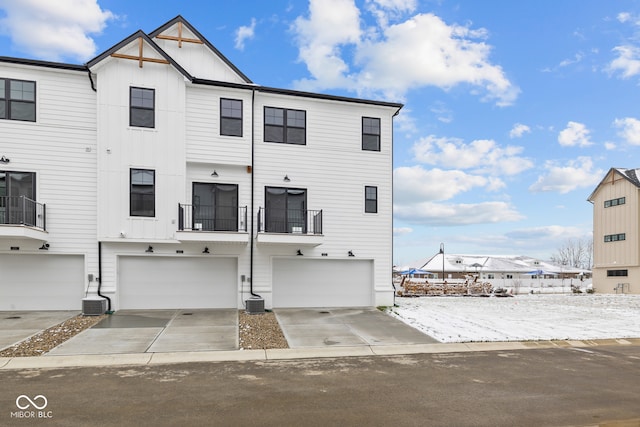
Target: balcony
(21,217)
(292,226)
(224,224)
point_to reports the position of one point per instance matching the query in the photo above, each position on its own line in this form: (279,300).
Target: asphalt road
(545,387)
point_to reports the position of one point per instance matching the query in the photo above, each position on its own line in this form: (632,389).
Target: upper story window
(617,273)
(370,134)
(371,199)
(142,201)
(230,117)
(142,107)
(285,126)
(614,202)
(615,237)
(18,100)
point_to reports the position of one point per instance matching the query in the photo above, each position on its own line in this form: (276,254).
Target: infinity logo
(33,403)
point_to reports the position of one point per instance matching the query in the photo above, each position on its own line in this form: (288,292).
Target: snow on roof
(493,263)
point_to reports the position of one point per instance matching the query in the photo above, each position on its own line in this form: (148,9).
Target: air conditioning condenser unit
(94,306)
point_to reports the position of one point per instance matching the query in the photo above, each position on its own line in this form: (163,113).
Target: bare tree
(576,253)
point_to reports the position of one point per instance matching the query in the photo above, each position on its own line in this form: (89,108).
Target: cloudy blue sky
(514,110)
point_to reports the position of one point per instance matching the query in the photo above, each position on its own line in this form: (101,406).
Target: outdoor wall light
(350,253)
(44,247)
(4,159)
(214,174)
(205,250)
(299,253)
(286,178)
(149,249)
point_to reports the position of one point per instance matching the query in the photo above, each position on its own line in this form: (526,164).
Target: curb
(151,359)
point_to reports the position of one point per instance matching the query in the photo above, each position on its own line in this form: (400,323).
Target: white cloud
(576,58)
(484,156)
(610,145)
(575,174)
(53,30)
(415,183)
(623,17)
(244,33)
(556,233)
(391,60)
(627,64)
(518,130)
(574,134)
(630,129)
(401,231)
(437,214)
(384,10)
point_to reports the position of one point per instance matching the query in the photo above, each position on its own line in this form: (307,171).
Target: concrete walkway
(16,326)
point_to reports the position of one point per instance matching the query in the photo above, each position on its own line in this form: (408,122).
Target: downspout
(93,86)
(100,278)
(392,285)
(251,242)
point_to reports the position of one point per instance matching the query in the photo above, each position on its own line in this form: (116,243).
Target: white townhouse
(159,176)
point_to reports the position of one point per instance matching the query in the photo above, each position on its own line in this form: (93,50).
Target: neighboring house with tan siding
(616,251)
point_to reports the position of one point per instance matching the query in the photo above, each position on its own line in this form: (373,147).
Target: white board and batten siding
(334,170)
(122,147)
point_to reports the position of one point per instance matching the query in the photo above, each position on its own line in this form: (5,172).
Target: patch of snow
(523,317)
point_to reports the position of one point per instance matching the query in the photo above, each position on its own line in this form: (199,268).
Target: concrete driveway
(167,331)
(16,326)
(157,331)
(328,327)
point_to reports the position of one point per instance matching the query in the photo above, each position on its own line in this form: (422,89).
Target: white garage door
(41,282)
(163,282)
(322,283)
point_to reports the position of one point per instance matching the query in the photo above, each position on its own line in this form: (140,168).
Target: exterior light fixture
(149,249)
(44,247)
(4,159)
(205,250)
(214,174)
(299,253)
(350,253)
(286,178)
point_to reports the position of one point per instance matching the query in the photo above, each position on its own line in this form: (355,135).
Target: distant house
(616,246)
(159,173)
(508,271)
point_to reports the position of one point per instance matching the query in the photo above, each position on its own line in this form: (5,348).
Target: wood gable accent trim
(179,39)
(140,58)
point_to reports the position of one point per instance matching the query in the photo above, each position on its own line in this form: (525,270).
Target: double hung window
(370,134)
(18,100)
(142,193)
(285,126)
(230,117)
(142,107)
(371,199)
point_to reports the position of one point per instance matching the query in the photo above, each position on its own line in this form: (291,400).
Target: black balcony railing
(21,210)
(295,221)
(212,218)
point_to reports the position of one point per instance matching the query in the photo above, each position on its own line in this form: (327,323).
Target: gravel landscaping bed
(260,331)
(256,331)
(40,343)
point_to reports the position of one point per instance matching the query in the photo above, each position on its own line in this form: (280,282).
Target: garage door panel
(41,282)
(322,283)
(156,283)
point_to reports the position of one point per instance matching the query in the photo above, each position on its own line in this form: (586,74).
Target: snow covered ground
(523,317)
